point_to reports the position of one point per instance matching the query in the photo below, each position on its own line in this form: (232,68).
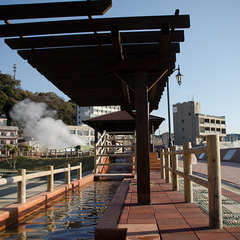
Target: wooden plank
(116,41)
(58,9)
(164,40)
(142,129)
(93,51)
(90,39)
(140,64)
(85,25)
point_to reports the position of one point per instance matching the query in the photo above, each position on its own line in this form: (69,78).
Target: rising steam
(38,122)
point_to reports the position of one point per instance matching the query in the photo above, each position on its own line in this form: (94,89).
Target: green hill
(12,93)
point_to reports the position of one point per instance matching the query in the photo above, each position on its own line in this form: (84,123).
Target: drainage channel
(73,217)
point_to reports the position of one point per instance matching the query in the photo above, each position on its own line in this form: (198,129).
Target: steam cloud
(39,123)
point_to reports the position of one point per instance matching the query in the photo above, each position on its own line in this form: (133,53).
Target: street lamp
(179,77)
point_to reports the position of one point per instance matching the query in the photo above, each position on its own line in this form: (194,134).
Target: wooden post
(175,183)
(167,164)
(50,179)
(142,128)
(21,187)
(68,174)
(162,159)
(55,153)
(79,171)
(214,182)
(187,163)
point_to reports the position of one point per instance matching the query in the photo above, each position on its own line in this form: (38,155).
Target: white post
(50,180)
(79,171)
(214,182)
(21,187)
(187,163)
(68,174)
(175,182)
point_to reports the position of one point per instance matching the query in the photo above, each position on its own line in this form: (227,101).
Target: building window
(2,141)
(11,142)
(4,122)
(182,129)
(12,134)
(79,132)
(182,120)
(92,133)
(224,131)
(223,123)
(85,133)
(3,134)
(189,114)
(72,131)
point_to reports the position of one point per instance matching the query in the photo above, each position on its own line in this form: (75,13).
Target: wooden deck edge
(107,227)
(13,213)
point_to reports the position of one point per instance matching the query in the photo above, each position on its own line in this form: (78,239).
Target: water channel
(73,217)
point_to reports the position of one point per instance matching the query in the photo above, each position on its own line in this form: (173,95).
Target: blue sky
(209,58)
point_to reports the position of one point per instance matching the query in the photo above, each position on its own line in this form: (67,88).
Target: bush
(41,164)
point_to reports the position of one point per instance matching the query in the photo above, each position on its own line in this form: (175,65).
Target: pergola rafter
(100,61)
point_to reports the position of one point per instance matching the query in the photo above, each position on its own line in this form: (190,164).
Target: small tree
(12,159)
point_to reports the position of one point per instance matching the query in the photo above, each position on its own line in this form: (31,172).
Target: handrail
(22,177)
(214,175)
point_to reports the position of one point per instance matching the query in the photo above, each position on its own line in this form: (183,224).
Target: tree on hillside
(12,93)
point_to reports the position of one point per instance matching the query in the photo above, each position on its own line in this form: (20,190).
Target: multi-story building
(192,126)
(84,113)
(84,132)
(8,134)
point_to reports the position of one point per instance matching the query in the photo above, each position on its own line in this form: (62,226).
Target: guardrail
(214,175)
(22,177)
(105,148)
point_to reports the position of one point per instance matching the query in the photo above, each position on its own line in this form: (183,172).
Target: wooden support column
(142,128)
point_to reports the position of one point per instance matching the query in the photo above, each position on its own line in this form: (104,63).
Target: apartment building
(8,134)
(84,113)
(190,125)
(86,133)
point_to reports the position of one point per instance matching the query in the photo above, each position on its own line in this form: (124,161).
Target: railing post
(214,182)
(95,158)
(167,164)
(187,164)
(175,183)
(50,179)
(162,160)
(67,174)
(21,187)
(79,171)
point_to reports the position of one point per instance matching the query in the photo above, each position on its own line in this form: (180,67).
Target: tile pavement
(168,217)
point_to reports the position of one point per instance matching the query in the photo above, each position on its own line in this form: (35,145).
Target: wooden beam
(76,26)
(58,9)
(142,129)
(116,41)
(164,40)
(156,78)
(140,64)
(124,79)
(126,92)
(93,51)
(90,39)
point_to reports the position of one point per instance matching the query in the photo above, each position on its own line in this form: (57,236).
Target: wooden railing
(214,175)
(22,177)
(104,146)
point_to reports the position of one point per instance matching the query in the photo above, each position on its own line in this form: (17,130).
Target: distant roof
(119,121)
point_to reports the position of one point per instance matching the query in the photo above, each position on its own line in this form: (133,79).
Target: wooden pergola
(100,61)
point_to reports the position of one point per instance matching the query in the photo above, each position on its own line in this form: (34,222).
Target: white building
(84,113)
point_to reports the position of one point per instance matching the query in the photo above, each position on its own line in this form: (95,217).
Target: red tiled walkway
(168,217)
